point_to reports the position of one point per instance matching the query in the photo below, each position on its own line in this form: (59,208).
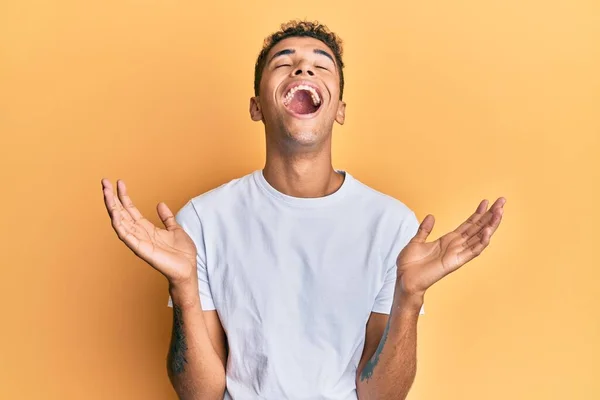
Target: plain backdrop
(448,103)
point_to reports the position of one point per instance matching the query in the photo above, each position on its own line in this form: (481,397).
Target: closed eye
(283,65)
(318,66)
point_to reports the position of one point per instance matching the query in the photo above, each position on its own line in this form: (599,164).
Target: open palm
(171,251)
(421,264)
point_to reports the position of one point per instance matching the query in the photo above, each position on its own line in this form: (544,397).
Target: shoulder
(382,205)
(219,198)
(396,222)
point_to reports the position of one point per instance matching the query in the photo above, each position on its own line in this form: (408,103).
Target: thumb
(424,229)
(166,216)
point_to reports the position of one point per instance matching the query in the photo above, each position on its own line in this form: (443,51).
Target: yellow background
(448,103)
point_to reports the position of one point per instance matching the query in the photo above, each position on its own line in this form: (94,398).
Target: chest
(312,271)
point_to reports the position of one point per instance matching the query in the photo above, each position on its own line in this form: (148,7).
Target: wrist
(185,294)
(409,302)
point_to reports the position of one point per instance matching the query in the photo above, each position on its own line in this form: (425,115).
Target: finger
(499,203)
(482,207)
(494,223)
(484,220)
(112,202)
(166,216)
(124,227)
(424,229)
(474,217)
(126,201)
(474,250)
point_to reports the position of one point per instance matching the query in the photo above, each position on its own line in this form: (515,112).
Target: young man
(296,281)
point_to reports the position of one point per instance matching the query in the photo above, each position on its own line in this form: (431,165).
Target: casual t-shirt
(294,281)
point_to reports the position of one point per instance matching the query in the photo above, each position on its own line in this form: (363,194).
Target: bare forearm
(194,368)
(389,374)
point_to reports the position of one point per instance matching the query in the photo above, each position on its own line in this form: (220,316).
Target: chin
(295,132)
(304,136)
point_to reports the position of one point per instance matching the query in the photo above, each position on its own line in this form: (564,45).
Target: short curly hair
(296,28)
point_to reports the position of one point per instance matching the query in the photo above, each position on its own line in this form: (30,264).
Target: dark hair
(300,29)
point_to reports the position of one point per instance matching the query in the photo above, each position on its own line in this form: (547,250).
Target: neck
(309,174)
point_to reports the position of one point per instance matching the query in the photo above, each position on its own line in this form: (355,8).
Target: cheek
(335,90)
(268,96)
(269,84)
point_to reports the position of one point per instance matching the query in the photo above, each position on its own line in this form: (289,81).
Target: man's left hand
(421,264)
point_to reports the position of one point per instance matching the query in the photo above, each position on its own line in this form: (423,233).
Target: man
(296,281)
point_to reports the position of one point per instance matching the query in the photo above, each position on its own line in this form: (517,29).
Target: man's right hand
(170,251)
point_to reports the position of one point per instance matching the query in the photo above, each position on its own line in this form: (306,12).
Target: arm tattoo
(178,348)
(367,371)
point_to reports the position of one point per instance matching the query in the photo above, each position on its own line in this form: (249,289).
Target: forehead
(300,44)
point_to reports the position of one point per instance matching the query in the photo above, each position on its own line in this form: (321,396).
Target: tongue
(302,103)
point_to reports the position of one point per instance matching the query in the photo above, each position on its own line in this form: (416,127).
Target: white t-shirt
(294,281)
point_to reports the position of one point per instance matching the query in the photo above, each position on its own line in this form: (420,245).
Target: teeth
(313,94)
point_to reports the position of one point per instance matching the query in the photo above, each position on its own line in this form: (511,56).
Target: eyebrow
(286,52)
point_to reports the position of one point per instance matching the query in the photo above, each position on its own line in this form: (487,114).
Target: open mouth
(302,99)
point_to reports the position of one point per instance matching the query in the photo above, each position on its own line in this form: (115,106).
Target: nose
(304,69)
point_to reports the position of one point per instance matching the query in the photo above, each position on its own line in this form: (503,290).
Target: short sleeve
(385,297)
(189,220)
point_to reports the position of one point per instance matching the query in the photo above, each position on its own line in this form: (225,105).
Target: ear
(340,116)
(255,112)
